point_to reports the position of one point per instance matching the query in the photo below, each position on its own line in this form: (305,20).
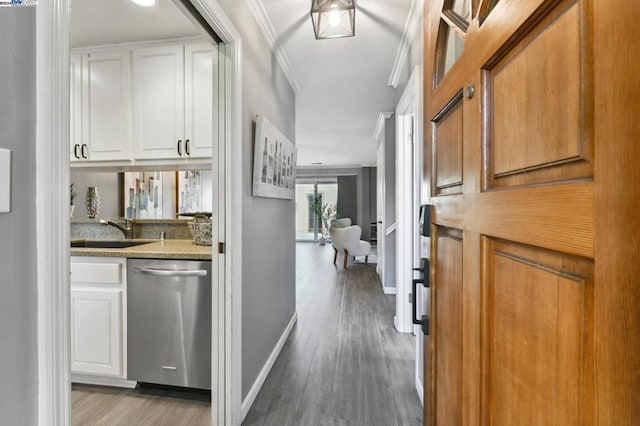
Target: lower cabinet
(96,331)
(98,316)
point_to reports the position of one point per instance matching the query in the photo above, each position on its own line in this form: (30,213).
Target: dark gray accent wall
(18,281)
(347,205)
(268,224)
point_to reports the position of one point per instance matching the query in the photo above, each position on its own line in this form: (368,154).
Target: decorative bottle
(93,201)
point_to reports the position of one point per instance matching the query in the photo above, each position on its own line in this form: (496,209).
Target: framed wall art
(274,163)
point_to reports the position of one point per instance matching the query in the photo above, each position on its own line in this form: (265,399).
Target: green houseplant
(324,213)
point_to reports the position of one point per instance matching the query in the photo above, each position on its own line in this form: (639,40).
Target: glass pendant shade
(333,18)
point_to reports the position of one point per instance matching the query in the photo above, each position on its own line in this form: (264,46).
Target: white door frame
(411,102)
(52,217)
(408,181)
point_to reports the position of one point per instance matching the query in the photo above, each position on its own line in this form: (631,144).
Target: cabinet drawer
(88,272)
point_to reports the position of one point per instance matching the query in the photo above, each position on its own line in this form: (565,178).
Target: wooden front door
(532,145)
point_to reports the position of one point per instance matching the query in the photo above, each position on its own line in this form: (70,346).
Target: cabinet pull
(75,151)
(180,147)
(171,273)
(187,147)
(83,150)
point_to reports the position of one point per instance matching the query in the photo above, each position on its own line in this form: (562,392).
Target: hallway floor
(344,363)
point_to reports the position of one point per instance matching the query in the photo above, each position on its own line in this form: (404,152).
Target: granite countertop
(154,249)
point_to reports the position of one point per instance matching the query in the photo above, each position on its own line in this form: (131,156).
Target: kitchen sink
(112,244)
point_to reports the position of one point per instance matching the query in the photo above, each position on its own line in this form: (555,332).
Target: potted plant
(72,196)
(324,213)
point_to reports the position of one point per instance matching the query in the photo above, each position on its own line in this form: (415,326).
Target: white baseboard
(257,385)
(88,379)
(389,290)
(420,390)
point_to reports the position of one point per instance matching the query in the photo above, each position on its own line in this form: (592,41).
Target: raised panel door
(106,106)
(75,105)
(159,102)
(201,112)
(530,150)
(96,331)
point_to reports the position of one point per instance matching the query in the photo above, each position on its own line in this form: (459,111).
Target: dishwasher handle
(171,273)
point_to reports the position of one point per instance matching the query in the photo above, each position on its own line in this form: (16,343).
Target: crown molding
(380,124)
(260,13)
(410,26)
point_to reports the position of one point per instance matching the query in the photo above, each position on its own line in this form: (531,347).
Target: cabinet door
(201,112)
(159,102)
(75,99)
(96,331)
(106,106)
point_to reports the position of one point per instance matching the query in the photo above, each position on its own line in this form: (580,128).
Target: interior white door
(75,97)
(405,220)
(381,229)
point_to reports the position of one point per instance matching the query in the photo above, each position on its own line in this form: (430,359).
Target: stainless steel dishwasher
(169,322)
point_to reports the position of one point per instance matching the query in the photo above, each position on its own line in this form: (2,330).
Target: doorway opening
(323,193)
(53,178)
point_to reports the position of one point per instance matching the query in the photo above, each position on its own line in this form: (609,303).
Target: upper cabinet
(75,97)
(173,110)
(106,106)
(147,103)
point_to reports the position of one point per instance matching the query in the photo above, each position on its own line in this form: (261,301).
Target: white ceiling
(96,22)
(343,82)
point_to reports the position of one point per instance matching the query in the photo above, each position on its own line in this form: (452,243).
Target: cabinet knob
(180,147)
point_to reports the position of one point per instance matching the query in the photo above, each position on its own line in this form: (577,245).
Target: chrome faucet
(126,230)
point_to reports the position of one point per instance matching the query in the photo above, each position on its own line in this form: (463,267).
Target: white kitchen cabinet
(106,106)
(98,317)
(75,111)
(174,108)
(158,79)
(96,332)
(201,112)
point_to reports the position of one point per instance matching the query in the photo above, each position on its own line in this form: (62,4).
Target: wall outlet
(5,181)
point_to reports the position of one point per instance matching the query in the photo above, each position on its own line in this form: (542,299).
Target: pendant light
(333,18)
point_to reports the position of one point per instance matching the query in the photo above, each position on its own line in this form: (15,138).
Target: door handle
(83,150)
(424,322)
(187,147)
(75,151)
(171,273)
(180,147)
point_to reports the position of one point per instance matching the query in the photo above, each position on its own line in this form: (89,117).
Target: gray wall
(18,302)
(389,270)
(268,224)
(347,205)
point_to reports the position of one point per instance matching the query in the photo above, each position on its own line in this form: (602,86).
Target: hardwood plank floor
(344,363)
(99,405)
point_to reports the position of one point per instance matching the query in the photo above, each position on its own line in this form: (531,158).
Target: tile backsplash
(143,228)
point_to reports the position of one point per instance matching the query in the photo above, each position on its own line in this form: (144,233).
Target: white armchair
(348,240)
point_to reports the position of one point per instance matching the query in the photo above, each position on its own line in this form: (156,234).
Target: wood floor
(97,405)
(344,363)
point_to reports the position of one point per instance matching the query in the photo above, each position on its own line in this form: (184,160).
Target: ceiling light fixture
(144,2)
(333,18)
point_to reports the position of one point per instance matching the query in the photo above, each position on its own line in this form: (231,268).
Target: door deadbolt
(471,89)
